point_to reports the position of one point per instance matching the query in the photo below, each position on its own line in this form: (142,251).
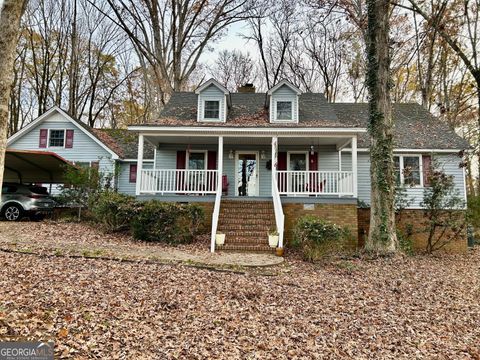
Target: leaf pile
(400,308)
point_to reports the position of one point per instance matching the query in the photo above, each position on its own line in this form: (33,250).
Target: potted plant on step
(273,238)
(219,238)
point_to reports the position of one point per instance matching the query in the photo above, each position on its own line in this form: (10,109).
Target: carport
(26,166)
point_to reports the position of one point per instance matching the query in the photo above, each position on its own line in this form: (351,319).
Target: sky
(1,5)
(233,40)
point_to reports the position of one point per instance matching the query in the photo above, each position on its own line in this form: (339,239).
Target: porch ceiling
(248,140)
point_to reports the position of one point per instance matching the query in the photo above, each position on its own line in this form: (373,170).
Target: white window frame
(64,138)
(205,158)
(298,152)
(275,117)
(219,110)
(420,167)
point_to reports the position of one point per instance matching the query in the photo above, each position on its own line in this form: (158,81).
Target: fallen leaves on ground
(403,308)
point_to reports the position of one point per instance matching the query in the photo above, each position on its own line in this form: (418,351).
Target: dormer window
(211,110)
(284,110)
(213,102)
(284,99)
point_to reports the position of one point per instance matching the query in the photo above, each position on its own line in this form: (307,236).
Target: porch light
(312,150)
(262,154)
(230,154)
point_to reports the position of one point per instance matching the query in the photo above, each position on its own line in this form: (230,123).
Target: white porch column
(220,163)
(139,165)
(274,159)
(340,160)
(354,166)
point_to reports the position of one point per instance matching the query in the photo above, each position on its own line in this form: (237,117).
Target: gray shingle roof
(248,109)
(415,127)
(127,141)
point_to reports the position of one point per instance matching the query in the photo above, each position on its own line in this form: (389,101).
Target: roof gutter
(202,131)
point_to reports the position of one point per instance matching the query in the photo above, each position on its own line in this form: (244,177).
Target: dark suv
(20,200)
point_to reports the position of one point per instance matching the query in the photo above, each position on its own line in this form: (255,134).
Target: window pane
(396,165)
(196,161)
(57,137)
(212,110)
(284,110)
(411,170)
(298,162)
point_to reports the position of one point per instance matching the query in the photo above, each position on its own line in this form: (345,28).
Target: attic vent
(247,88)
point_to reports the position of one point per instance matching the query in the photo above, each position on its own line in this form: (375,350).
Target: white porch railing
(339,183)
(178,181)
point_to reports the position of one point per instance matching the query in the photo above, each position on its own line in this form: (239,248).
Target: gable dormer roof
(286,83)
(213,82)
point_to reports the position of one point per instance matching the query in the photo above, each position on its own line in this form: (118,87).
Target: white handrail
(315,182)
(215,216)
(279,215)
(178,181)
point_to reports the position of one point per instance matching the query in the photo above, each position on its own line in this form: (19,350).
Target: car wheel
(13,212)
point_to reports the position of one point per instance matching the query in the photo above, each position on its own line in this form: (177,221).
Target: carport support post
(139,165)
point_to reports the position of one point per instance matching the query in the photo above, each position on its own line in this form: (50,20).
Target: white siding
(448,162)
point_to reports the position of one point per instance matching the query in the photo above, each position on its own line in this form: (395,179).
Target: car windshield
(38,190)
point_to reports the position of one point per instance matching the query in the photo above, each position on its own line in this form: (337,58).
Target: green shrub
(114,211)
(167,222)
(318,238)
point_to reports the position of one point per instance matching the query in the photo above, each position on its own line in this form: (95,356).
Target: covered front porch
(264,165)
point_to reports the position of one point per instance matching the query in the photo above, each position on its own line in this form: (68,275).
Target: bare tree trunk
(10,16)
(382,238)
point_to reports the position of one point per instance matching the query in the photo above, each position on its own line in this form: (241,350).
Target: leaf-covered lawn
(421,307)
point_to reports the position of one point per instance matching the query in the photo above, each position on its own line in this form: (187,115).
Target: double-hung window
(56,138)
(408,170)
(211,110)
(284,110)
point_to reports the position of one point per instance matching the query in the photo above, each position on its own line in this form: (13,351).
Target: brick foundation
(415,218)
(344,215)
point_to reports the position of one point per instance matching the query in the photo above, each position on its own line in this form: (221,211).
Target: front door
(247,174)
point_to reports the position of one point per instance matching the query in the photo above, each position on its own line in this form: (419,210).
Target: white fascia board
(451,151)
(31,125)
(208,131)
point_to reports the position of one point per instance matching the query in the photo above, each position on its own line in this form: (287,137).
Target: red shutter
(133,173)
(282,165)
(181,164)
(69,139)
(426,164)
(313,161)
(43,138)
(212,160)
(314,181)
(282,161)
(181,159)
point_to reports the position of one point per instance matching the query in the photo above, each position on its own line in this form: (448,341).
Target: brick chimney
(247,88)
